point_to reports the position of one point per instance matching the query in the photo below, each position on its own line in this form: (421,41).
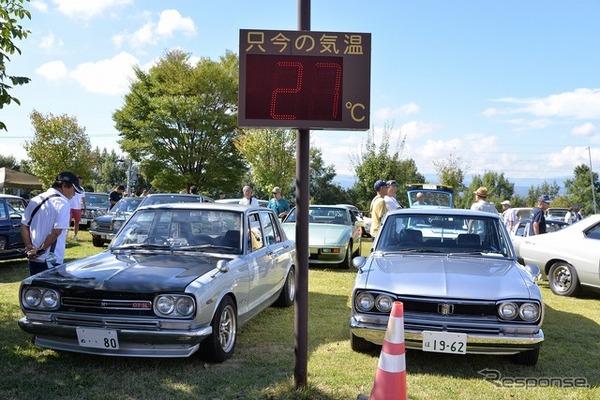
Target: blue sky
(510,86)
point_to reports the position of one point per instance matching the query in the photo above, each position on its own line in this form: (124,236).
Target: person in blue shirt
(278,203)
(539,221)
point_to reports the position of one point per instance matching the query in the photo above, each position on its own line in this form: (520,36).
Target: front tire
(347,263)
(529,357)
(219,346)
(563,279)
(97,242)
(360,345)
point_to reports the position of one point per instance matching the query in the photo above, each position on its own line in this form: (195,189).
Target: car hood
(142,273)
(319,234)
(448,277)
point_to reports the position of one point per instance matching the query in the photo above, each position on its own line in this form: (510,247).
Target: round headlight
(165,304)
(364,302)
(94,225)
(529,312)
(33,297)
(185,306)
(50,299)
(117,225)
(384,303)
(508,310)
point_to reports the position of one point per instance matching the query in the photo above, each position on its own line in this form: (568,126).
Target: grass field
(262,366)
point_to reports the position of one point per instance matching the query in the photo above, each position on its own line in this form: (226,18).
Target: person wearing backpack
(45,223)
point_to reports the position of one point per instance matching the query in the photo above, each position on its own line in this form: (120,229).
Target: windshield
(127,205)
(171,198)
(445,234)
(193,230)
(325,215)
(98,200)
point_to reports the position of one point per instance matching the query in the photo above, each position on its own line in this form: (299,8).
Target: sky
(508,86)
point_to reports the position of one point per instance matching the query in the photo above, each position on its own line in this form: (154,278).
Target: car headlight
(94,225)
(117,225)
(529,312)
(384,303)
(364,301)
(174,305)
(40,298)
(508,310)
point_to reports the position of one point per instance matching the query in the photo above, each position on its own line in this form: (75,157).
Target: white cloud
(414,130)
(567,158)
(169,22)
(586,130)
(39,5)
(387,114)
(582,103)
(53,71)
(111,76)
(51,44)
(86,10)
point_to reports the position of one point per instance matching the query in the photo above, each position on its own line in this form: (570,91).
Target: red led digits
(287,64)
(293,87)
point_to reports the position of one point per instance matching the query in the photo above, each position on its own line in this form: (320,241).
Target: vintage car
(457,275)
(568,258)
(262,203)
(334,234)
(524,229)
(429,195)
(104,228)
(12,209)
(366,229)
(554,213)
(176,279)
(96,204)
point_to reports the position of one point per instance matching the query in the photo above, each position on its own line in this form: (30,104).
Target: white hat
(505,203)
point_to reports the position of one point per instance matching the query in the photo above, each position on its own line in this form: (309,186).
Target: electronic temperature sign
(304,79)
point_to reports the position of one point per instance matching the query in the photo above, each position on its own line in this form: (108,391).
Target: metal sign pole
(302,202)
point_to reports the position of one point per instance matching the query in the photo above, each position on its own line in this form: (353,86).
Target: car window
(593,232)
(255,233)
(270,228)
(3,212)
(444,234)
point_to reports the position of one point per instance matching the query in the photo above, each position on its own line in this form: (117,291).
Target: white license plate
(443,342)
(98,338)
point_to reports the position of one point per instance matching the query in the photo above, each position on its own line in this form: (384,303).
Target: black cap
(69,177)
(379,184)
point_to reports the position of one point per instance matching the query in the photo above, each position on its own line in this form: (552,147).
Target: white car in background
(569,258)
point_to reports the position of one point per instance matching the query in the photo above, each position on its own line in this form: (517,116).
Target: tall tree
(375,162)
(450,172)
(579,189)
(58,144)
(10,31)
(271,154)
(179,121)
(551,190)
(499,188)
(9,162)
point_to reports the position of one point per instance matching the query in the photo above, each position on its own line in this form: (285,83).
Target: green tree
(179,121)
(450,172)
(499,189)
(551,190)
(58,144)
(579,189)
(271,154)
(322,188)
(380,162)
(9,162)
(11,11)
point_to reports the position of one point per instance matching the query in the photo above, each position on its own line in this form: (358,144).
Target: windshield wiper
(143,246)
(207,246)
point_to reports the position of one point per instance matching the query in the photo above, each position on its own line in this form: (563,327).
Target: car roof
(443,211)
(206,206)
(10,196)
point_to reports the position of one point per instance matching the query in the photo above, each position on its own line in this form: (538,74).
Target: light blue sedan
(334,234)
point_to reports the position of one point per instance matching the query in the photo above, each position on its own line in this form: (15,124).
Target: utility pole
(592,179)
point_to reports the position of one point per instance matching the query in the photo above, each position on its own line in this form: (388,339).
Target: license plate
(98,338)
(443,342)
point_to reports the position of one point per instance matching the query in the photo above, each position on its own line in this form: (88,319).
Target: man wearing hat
(538,219)
(481,204)
(509,216)
(378,207)
(390,198)
(45,223)
(278,203)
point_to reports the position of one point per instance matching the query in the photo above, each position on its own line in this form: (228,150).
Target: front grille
(99,302)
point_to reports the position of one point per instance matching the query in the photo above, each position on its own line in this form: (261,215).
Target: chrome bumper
(477,343)
(132,342)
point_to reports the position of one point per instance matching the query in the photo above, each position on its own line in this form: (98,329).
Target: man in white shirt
(45,223)
(509,216)
(390,198)
(248,199)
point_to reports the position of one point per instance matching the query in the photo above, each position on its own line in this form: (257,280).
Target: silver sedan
(178,278)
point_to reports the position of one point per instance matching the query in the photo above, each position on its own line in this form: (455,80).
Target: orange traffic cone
(390,378)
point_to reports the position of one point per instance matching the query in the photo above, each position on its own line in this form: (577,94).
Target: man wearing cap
(278,203)
(481,204)
(538,219)
(45,223)
(378,207)
(509,216)
(390,198)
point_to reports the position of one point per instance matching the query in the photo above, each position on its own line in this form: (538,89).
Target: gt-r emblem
(445,309)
